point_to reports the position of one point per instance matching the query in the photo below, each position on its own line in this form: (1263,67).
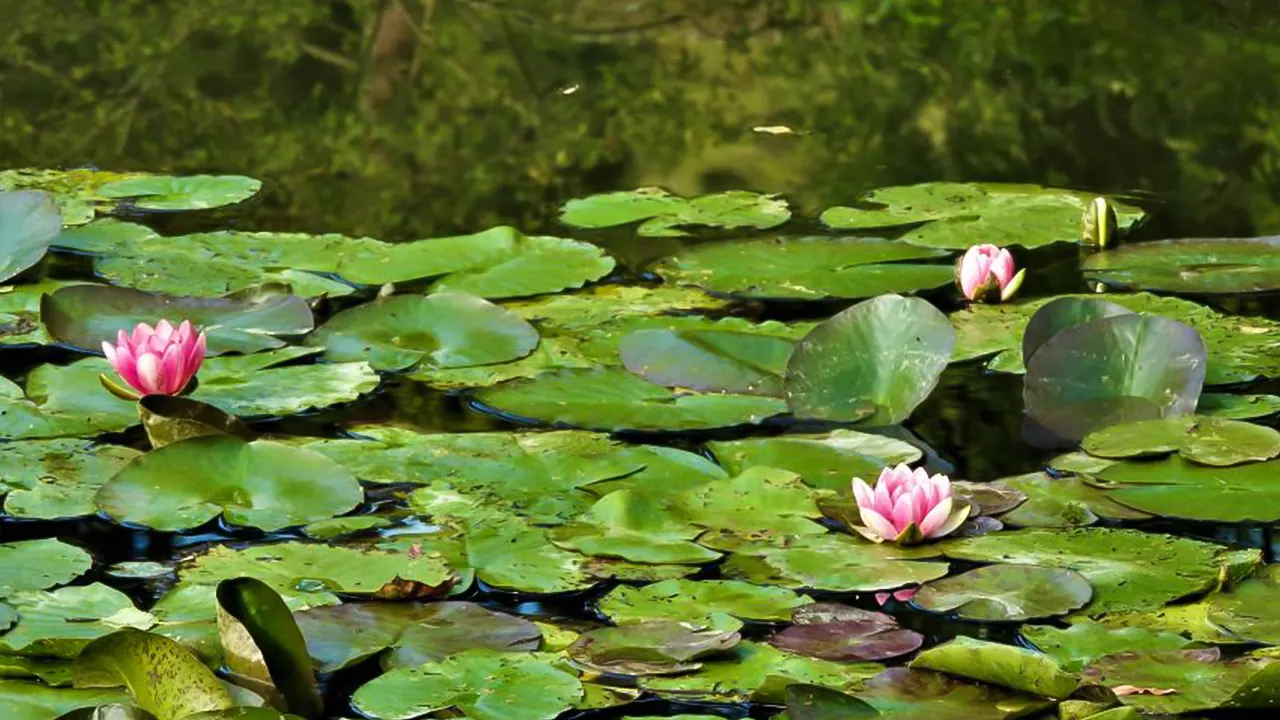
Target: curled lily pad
(1062,314)
(663,213)
(192,192)
(171,418)
(880,358)
(29,221)
(617,400)
(261,639)
(1114,370)
(162,676)
(39,564)
(1082,643)
(84,316)
(1006,666)
(260,484)
(654,647)
(807,268)
(52,479)
(827,461)
(443,329)
(721,361)
(839,632)
(1006,593)
(1176,487)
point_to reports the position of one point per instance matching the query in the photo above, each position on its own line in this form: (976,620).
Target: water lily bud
(985,273)
(906,506)
(156,361)
(1098,225)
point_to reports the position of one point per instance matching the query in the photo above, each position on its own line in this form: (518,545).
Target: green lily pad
(312,573)
(1191,265)
(52,479)
(654,647)
(29,221)
(839,632)
(1237,407)
(1129,570)
(758,502)
(828,461)
(59,623)
(1062,314)
(887,353)
(261,640)
(760,673)
(443,330)
(634,526)
(35,701)
(1082,643)
(1248,610)
(1005,666)
(746,363)
(1114,370)
(616,400)
(909,694)
(84,316)
(814,702)
(1206,441)
(38,564)
(162,677)
(663,213)
(807,268)
(343,526)
(1198,679)
(193,192)
(535,265)
(715,603)
(1176,487)
(1190,620)
(1006,593)
(259,484)
(1062,502)
(339,636)
(834,563)
(482,684)
(20,312)
(522,558)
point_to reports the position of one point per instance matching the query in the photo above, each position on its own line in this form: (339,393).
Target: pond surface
(409,119)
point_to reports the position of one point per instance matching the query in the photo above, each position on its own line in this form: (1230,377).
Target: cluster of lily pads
(675,466)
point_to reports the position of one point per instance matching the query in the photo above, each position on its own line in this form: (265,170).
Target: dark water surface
(401,119)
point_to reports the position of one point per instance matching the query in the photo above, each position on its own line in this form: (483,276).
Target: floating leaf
(1015,668)
(838,632)
(1191,265)
(29,221)
(84,316)
(1206,441)
(720,361)
(1198,679)
(59,623)
(806,268)
(663,213)
(1248,610)
(1006,593)
(533,266)
(654,647)
(444,330)
(1237,407)
(1178,488)
(171,418)
(909,694)
(834,563)
(1062,314)
(39,564)
(814,702)
(827,461)
(53,479)
(1062,502)
(194,192)
(163,677)
(887,353)
(635,526)
(716,603)
(616,400)
(1084,642)
(35,701)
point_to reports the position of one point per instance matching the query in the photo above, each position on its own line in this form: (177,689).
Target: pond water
(409,119)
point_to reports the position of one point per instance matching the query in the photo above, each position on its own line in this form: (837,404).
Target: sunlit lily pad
(259,484)
(59,623)
(29,221)
(162,676)
(1198,679)
(1084,642)
(1005,666)
(51,479)
(636,526)
(827,461)
(483,684)
(839,632)
(887,353)
(1237,407)
(807,268)
(617,400)
(653,647)
(1006,593)
(834,563)
(1178,488)
(1202,440)
(1129,570)
(717,603)
(759,502)
(664,214)
(1062,502)
(1191,265)
(84,316)
(745,363)
(36,701)
(191,192)
(39,564)
(442,329)
(1248,610)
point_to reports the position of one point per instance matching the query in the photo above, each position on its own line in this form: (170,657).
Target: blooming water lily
(985,273)
(907,506)
(155,361)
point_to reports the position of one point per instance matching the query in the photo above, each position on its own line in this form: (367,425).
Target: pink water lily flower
(901,596)
(906,506)
(159,360)
(985,273)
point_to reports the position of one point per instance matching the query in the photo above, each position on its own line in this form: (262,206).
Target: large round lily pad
(259,484)
(1202,440)
(722,603)
(807,268)
(59,623)
(29,221)
(1006,666)
(39,564)
(720,361)
(839,632)
(663,214)
(885,354)
(52,479)
(442,329)
(834,563)
(654,647)
(1176,487)
(1129,570)
(192,192)
(1005,592)
(618,400)
(829,461)
(1192,265)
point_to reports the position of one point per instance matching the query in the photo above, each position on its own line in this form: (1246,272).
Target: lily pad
(1062,314)
(258,484)
(887,353)
(1082,643)
(636,526)
(442,329)
(1005,666)
(52,479)
(1176,487)
(59,623)
(814,702)
(834,563)
(807,268)
(1182,681)
(482,684)
(1205,441)
(746,363)
(1129,570)
(170,418)
(827,461)
(1062,502)
(38,564)
(83,316)
(29,221)
(909,694)
(162,677)
(716,603)
(35,701)
(654,647)
(1191,265)
(664,214)
(192,192)
(759,502)
(1237,407)
(1006,593)
(1248,610)
(617,400)
(839,632)
(1114,370)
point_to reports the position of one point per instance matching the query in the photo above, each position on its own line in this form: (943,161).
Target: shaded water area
(408,119)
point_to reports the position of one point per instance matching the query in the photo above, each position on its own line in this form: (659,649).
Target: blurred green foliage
(408,118)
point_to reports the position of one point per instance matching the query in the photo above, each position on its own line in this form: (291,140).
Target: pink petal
(936,518)
(1002,267)
(171,370)
(142,333)
(195,355)
(883,499)
(973,272)
(123,340)
(863,493)
(127,366)
(904,594)
(877,524)
(164,331)
(184,333)
(904,511)
(148,367)
(110,351)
